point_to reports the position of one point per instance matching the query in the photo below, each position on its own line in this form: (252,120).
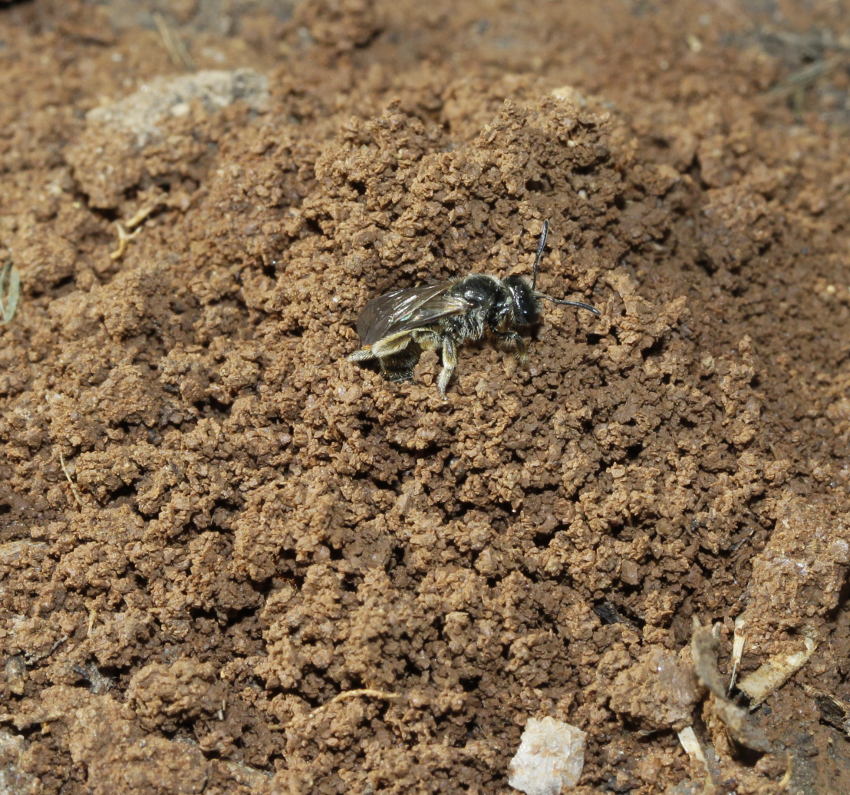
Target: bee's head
(524,304)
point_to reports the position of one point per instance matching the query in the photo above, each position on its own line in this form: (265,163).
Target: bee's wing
(407,309)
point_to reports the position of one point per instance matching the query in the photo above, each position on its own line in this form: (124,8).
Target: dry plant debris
(10,291)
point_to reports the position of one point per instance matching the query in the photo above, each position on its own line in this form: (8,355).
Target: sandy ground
(212,525)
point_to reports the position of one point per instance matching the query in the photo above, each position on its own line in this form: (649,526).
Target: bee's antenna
(540,247)
(564,302)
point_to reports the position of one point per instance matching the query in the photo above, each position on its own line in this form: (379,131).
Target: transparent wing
(407,309)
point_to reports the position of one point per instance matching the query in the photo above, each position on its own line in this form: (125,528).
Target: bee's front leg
(512,340)
(449,355)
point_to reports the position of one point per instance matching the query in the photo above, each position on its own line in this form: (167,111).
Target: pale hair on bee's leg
(434,341)
(385,347)
(449,353)
(390,345)
(510,340)
(361,355)
(428,340)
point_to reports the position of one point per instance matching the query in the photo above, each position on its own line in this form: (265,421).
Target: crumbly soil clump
(234,562)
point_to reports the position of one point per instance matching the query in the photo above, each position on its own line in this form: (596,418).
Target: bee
(396,327)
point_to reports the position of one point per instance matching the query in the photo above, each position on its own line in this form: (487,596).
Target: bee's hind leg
(361,355)
(396,356)
(380,349)
(399,366)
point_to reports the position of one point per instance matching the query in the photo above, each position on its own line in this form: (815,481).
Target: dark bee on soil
(397,326)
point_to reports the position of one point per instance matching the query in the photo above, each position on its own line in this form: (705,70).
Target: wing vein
(406,310)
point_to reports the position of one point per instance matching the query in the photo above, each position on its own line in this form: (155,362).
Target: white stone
(142,112)
(550,757)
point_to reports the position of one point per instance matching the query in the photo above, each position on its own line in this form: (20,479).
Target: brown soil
(211,524)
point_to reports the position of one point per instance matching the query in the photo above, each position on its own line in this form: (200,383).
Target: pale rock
(550,757)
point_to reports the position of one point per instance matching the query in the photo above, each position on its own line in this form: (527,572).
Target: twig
(70,482)
(123,239)
(140,216)
(125,236)
(173,44)
(363,691)
(804,76)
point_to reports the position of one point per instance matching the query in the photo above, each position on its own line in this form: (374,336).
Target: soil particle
(164,696)
(804,564)
(129,144)
(120,758)
(212,525)
(659,691)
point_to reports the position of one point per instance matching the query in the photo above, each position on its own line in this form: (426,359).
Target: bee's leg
(428,340)
(399,366)
(382,348)
(390,345)
(449,354)
(361,355)
(434,341)
(510,339)
(395,355)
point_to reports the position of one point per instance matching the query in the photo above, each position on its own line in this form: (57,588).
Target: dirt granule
(212,525)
